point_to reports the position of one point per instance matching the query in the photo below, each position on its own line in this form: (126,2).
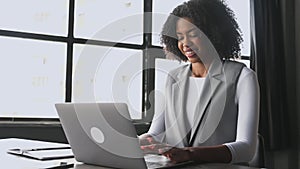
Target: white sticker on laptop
(97,135)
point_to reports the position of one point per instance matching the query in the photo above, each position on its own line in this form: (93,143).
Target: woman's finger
(155,148)
(165,149)
(147,141)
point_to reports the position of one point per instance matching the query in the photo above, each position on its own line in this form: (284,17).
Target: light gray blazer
(215,118)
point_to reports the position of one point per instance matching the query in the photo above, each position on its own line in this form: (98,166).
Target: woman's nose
(186,45)
(186,42)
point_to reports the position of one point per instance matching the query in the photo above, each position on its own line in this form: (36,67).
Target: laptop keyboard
(157,161)
(151,165)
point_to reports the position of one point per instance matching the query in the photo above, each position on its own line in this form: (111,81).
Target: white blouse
(195,87)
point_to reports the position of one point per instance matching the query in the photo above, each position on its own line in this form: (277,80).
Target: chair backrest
(258,159)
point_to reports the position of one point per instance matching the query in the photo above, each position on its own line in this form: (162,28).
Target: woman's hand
(147,140)
(150,146)
(157,148)
(177,155)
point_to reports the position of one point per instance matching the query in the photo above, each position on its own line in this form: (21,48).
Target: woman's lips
(189,53)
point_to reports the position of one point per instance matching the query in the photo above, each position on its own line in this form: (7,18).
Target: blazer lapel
(212,82)
(179,102)
(179,89)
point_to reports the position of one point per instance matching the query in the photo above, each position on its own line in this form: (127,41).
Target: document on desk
(51,153)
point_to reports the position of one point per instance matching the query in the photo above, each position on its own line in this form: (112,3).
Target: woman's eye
(193,35)
(179,38)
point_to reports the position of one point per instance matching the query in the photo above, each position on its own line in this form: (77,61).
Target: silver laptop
(103,134)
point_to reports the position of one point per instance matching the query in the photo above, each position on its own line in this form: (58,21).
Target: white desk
(17,162)
(202,166)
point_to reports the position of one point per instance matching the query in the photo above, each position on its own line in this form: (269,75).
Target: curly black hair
(214,18)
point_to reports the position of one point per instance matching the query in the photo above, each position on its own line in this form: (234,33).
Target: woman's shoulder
(233,64)
(179,69)
(246,73)
(179,72)
(239,69)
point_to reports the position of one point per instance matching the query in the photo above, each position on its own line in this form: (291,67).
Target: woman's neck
(198,69)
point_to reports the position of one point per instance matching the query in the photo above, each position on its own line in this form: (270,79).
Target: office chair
(258,159)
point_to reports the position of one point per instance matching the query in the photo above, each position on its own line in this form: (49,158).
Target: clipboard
(43,154)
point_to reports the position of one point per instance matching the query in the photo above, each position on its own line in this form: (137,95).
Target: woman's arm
(154,134)
(157,128)
(150,142)
(216,154)
(219,154)
(243,148)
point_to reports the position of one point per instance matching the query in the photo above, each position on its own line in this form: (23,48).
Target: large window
(84,50)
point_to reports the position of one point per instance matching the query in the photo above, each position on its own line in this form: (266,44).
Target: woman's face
(189,42)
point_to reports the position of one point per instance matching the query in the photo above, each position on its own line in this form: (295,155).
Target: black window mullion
(148,65)
(70,44)
(107,43)
(35,36)
(245,57)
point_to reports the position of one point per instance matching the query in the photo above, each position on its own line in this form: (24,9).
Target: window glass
(242,14)
(117,20)
(32,77)
(35,16)
(105,74)
(161,9)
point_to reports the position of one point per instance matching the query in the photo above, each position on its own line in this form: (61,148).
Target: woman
(212,104)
